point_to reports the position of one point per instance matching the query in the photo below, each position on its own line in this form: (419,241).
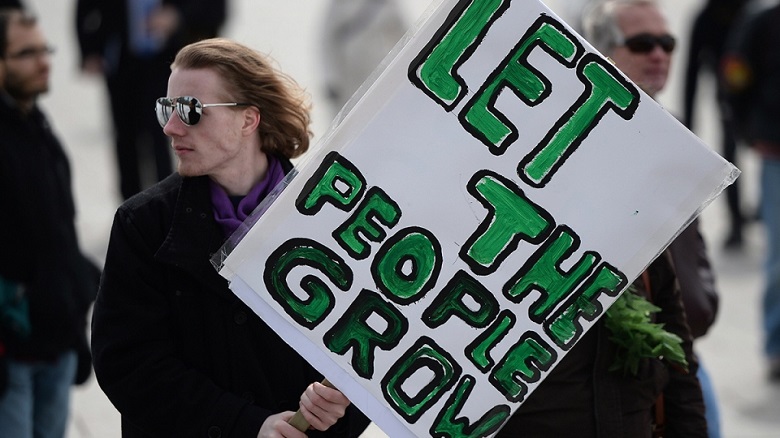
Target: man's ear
(252,119)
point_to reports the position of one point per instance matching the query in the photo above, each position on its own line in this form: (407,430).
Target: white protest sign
(478,209)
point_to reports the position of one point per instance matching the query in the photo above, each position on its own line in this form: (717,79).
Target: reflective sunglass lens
(163,110)
(189,109)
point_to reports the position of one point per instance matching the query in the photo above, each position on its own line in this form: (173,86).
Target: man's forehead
(23,35)
(641,18)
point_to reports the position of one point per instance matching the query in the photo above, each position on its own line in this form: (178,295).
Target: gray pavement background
(750,407)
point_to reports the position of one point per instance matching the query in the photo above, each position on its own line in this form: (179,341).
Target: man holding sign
(175,351)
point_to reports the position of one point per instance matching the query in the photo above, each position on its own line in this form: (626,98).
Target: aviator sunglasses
(645,43)
(188,108)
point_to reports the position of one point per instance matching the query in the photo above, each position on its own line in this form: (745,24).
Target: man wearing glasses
(177,352)
(53,283)
(638,41)
(584,395)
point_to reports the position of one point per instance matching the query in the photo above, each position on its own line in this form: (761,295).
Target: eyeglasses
(645,43)
(31,53)
(188,108)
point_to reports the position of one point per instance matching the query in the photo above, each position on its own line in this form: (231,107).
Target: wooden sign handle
(298,421)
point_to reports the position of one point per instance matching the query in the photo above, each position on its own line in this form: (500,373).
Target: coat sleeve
(696,278)
(91,28)
(134,352)
(738,67)
(200,19)
(683,400)
(210,14)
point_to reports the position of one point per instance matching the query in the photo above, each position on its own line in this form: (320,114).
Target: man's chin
(652,87)
(188,171)
(42,87)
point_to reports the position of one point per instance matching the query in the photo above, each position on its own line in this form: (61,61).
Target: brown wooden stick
(298,421)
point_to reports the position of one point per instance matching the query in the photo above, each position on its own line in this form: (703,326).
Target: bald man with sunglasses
(634,34)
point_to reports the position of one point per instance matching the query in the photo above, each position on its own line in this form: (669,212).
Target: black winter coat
(40,248)
(175,350)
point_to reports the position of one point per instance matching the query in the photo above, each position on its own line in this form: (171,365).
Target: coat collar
(194,235)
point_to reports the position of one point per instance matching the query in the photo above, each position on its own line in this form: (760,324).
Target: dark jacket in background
(40,248)
(175,350)
(696,278)
(582,398)
(10,4)
(709,32)
(752,76)
(101,27)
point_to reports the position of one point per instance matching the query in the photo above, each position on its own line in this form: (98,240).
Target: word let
(435,72)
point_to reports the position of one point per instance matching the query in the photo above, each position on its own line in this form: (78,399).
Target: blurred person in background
(45,350)
(572,12)
(132,43)
(751,72)
(357,36)
(705,51)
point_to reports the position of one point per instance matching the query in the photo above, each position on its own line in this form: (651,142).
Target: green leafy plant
(637,337)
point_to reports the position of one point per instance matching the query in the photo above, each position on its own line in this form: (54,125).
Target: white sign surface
(477,210)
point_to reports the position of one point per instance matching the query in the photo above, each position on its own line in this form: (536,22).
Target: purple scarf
(226,216)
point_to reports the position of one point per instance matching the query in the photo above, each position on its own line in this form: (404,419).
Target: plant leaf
(637,337)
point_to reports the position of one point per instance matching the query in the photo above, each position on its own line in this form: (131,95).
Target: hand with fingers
(322,405)
(278,426)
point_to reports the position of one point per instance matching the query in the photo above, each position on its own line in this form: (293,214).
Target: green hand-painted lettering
(522,364)
(450,302)
(407,265)
(511,217)
(320,300)
(493,128)
(563,327)
(479,350)
(423,357)
(542,272)
(605,90)
(447,425)
(376,207)
(437,74)
(336,181)
(353,331)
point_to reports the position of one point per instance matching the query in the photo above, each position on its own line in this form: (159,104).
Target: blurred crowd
(129,45)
